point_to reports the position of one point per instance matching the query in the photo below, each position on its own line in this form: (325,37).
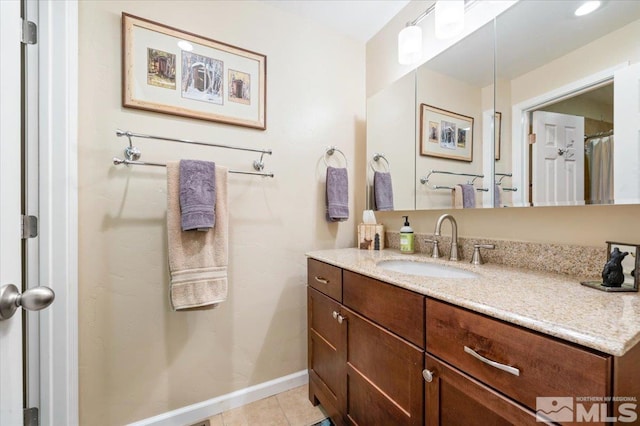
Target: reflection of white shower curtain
(599,156)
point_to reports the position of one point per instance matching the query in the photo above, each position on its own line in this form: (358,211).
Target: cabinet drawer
(325,278)
(396,309)
(545,367)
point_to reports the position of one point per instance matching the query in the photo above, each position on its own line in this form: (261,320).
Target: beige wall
(137,357)
(590,225)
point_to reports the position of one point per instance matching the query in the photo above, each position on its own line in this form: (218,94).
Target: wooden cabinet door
(384,375)
(326,354)
(453,398)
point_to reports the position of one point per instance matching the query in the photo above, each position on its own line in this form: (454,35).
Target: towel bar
(132,154)
(118,161)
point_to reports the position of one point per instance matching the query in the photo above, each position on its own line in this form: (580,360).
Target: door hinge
(532,138)
(29,226)
(31,417)
(29,32)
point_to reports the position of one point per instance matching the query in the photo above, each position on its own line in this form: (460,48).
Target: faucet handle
(476,259)
(436,250)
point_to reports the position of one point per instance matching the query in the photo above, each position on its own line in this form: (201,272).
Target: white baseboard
(202,410)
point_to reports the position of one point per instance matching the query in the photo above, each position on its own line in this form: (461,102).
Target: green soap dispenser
(406,237)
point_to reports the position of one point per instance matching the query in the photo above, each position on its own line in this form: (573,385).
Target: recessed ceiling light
(185,45)
(587,7)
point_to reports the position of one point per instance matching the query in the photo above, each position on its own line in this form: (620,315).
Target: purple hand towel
(497,196)
(337,194)
(197,194)
(468,196)
(383,191)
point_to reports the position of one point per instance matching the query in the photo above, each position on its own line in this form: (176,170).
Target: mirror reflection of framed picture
(445,134)
(497,128)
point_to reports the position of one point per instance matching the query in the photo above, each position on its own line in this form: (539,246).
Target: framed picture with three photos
(175,72)
(445,134)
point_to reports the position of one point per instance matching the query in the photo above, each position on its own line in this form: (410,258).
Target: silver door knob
(33,299)
(428,375)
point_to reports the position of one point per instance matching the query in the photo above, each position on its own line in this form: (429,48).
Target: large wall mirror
(454,100)
(566,126)
(568,91)
(391,146)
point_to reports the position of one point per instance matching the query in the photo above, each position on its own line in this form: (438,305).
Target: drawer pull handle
(428,375)
(509,369)
(321,280)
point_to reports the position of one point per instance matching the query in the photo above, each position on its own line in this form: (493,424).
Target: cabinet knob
(428,375)
(341,319)
(335,315)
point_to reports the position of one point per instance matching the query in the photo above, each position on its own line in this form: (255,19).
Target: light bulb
(410,45)
(587,7)
(449,18)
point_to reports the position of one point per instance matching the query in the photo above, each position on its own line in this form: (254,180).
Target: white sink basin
(425,269)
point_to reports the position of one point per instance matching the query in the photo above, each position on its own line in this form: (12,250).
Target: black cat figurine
(612,275)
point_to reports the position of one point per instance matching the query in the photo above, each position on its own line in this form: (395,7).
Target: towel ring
(377,156)
(330,151)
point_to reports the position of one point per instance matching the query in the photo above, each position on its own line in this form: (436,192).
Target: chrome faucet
(454,234)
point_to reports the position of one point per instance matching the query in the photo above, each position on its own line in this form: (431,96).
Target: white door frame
(10,193)
(58,202)
(520,124)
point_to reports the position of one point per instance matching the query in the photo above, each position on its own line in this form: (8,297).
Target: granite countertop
(552,304)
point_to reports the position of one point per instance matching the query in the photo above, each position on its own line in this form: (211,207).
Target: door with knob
(558,159)
(12,205)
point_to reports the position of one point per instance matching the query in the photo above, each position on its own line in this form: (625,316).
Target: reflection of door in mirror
(580,178)
(390,131)
(558,159)
(572,56)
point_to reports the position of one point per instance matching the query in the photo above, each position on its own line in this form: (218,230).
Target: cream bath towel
(197,260)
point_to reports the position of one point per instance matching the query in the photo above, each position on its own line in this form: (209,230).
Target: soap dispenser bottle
(406,237)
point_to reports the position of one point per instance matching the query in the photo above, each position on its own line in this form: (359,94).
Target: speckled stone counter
(552,304)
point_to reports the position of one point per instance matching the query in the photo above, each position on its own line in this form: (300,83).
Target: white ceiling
(359,19)
(530,34)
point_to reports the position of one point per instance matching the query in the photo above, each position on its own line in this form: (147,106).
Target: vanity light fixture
(449,18)
(587,7)
(449,22)
(410,45)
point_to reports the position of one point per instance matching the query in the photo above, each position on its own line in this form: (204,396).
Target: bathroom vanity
(389,348)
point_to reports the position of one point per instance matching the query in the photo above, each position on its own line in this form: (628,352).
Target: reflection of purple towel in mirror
(497,196)
(197,194)
(468,196)
(383,191)
(337,194)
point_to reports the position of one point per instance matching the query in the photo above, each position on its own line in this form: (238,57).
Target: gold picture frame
(445,134)
(175,72)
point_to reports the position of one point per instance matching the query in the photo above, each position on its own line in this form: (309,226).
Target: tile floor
(290,408)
